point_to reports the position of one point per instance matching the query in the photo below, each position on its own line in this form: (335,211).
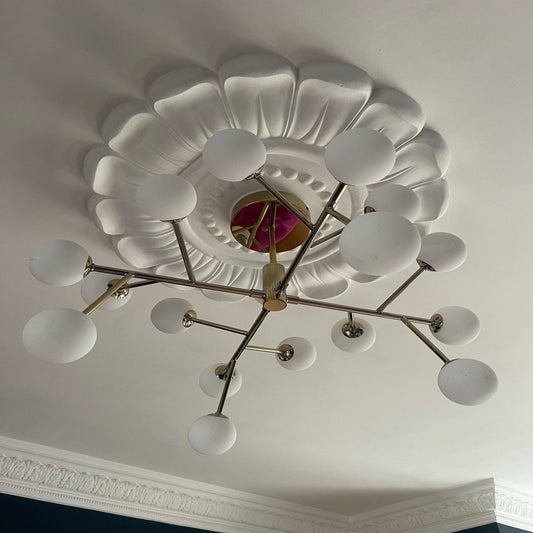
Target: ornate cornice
(43,473)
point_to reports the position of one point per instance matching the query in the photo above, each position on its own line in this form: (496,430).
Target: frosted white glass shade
(233,154)
(443,252)
(396,199)
(379,243)
(167,315)
(459,325)
(212,434)
(353,344)
(212,385)
(304,354)
(59,335)
(166,197)
(467,381)
(95,285)
(58,263)
(360,156)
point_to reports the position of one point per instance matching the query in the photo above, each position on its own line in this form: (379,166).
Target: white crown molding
(39,472)
(34,471)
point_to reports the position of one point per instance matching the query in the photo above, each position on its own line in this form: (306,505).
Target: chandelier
(267,223)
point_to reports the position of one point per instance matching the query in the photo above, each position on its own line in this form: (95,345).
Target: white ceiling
(350,434)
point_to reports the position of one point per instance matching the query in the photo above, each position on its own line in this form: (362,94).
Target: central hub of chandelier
(268,157)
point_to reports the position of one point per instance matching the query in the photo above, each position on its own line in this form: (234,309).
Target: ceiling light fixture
(380,240)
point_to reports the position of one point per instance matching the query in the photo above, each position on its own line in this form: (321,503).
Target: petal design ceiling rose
(296,113)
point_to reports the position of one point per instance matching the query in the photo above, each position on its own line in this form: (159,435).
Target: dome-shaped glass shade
(212,385)
(303,353)
(396,199)
(360,156)
(95,285)
(467,381)
(167,315)
(379,243)
(166,197)
(212,434)
(459,325)
(58,263)
(233,154)
(443,252)
(357,337)
(59,335)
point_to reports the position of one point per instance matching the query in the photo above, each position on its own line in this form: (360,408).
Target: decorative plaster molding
(296,112)
(43,473)
(35,471)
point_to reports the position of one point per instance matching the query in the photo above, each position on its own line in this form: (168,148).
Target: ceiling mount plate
(251,218)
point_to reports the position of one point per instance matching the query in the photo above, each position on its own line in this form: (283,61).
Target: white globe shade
(58,263)
(95,285)
(59,335)
(167,315)
(353,344)
(304,354)
(459,325)
(443,252)
(233,154)
(467,381)
(396,199)
(166,197)
(379,243)
(212,385)
(212,434)
(360,156)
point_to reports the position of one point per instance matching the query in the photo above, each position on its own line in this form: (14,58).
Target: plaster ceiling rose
(296,112)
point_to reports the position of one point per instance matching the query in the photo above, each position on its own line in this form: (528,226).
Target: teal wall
(22,515)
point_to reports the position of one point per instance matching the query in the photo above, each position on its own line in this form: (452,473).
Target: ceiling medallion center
(259,221)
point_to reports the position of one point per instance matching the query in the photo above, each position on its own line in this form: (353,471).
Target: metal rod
(425,340)
(350,317)
(255,227)
(233,361)
(224,395)
(339,216)
(139,284)
(263,349)
(259,245)
(216,325)
(327,237)
(179,281)
(401,288)
(356,310)
(183,249)
(283,201)
(251,332)
(115,286)
(272,233)
(307,243)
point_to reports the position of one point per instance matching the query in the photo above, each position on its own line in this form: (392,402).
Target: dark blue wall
(21,515)
(493,528)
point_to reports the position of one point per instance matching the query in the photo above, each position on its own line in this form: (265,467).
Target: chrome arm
(401,288)
(282,200)
(356,310)
(307,243)
(425,340)
(114,287)
(183,249)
